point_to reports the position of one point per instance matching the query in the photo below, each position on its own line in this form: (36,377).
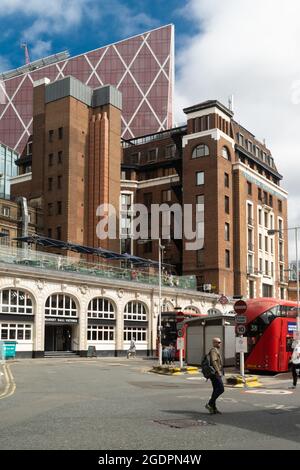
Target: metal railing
(41,260)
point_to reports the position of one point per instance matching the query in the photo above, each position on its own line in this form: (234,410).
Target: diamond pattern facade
(141,67)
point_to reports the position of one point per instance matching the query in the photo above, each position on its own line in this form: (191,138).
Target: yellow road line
(10,386)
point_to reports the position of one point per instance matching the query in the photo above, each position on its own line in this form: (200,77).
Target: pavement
(115,403)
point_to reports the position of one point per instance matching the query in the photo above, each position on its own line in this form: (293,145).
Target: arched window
(201,150)
(61,305)
(192,309)
(100,307)
(167,306)
(135,311)
(15,301)
(214,312)
(226,153)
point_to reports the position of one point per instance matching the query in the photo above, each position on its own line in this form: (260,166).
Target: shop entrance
(58,338)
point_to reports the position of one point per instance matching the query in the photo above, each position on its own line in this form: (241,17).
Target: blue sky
(82,25)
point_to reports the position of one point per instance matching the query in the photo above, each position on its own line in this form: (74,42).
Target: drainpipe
(22,201)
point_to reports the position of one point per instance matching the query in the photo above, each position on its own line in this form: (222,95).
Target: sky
(248,48)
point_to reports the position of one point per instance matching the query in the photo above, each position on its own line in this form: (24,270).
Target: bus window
(288,311)
(258,326)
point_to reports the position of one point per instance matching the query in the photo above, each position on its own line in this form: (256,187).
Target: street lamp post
(297,274)
(272,232)
(160,247)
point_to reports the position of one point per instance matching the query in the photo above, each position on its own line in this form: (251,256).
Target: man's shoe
(210,409)
(217,412)
(292,387)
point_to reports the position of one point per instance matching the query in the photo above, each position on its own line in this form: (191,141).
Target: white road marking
(10,386)
(195,378)
(229,400)
(269,392)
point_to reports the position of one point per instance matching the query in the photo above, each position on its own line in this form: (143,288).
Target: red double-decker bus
(270,327)
(170,327)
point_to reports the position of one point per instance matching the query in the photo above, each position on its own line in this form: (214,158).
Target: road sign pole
(181,358)
(242,365)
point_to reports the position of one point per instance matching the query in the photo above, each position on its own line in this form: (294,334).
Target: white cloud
(249,48)
(40,49)
(48,19)
(60,17)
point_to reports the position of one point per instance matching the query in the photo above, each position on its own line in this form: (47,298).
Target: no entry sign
(240,307)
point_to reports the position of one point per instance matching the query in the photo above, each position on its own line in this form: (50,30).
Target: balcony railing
(250,221)
(41,261)
(250,246)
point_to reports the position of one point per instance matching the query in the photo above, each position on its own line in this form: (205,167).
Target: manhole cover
(183,423)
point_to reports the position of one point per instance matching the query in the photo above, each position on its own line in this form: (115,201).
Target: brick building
(231,180)
(13,216)
(75,160)
(212,164)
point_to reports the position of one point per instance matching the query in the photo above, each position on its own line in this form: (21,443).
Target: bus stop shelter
(201,331)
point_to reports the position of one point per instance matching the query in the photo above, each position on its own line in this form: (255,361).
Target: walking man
(216,378)
(295,363)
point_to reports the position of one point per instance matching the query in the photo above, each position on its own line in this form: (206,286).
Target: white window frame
(15,304)
(100,311)
(54,310)
(6,211)
(139,334)
(138,313)
(16,328)
(101,333)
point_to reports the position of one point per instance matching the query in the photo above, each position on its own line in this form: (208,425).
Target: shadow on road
(281,424)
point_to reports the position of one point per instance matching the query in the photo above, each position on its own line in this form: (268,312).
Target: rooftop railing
(41,260)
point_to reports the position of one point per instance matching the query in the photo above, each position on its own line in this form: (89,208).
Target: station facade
(48,312)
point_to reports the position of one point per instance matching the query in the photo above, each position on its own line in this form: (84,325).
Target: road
(113,403)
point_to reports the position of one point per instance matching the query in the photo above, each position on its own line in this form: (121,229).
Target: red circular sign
(223,300)
(240,306)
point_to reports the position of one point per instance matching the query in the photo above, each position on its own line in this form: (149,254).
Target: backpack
(207,369)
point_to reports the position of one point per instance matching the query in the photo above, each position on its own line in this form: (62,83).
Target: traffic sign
(180,333)
(223,300)
(179,326)
(240,306)
(240,319)
(180,343)
(241,344)
(241,329)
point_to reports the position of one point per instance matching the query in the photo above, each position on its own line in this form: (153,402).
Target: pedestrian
(295,360)
(172,353)
(165,355)
(132,349)
(216,378)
